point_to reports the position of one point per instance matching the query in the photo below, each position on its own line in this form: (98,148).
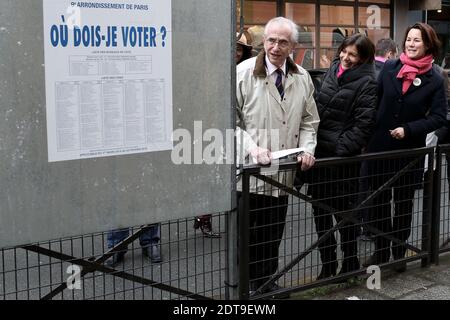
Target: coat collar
(353,74)
(260,66)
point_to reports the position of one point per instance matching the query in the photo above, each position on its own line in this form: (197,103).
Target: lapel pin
(417,82)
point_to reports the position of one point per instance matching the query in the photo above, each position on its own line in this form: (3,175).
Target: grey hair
(282,21)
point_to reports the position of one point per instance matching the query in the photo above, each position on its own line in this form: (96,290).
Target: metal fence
(356,193)
(192,267)
(441,229)
(330,216)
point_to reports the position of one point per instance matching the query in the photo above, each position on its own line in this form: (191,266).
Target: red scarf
(340,71)
(411,68)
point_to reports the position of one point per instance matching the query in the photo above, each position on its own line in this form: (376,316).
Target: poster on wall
(108,77)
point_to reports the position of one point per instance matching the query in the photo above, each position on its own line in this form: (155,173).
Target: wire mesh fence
(443,203)
(191,265)
(331,222)
(296,230)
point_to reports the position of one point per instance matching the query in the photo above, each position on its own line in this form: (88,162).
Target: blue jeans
(150,236)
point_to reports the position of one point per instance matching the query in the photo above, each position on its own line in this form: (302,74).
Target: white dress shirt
(271,71)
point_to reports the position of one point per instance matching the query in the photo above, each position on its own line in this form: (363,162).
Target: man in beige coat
(275,111)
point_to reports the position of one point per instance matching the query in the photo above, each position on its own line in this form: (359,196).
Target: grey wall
(41,201)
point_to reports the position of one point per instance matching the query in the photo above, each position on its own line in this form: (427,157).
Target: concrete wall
(42,200)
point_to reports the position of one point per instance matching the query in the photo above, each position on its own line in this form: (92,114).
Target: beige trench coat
(264,120)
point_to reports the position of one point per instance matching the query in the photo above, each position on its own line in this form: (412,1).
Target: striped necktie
(279,82)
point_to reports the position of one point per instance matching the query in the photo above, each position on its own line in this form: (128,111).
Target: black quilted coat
(347,108)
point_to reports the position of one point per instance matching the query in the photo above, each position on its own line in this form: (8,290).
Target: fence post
(436,211)
(232,273)
(243,212)
(427,207)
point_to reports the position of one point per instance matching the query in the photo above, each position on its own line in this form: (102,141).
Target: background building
(324,23)
(440,20)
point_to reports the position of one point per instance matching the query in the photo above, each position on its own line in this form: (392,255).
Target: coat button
(284,122)
(400,100)
(396,115)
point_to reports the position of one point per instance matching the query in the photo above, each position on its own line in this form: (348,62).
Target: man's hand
(307,160)
(262,156)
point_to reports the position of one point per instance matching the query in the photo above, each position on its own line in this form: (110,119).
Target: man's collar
(271,68)
(260,66)
(380,59)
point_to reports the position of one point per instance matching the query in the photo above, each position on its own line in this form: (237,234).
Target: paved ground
(432,283)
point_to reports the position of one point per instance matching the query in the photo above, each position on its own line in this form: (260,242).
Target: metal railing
(441,194)
(330,192)
(192,267)
(197,267)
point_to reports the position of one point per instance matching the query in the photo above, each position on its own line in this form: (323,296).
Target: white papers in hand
(284,153)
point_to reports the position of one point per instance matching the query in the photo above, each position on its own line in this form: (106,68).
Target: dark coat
(443,133)
(347,111)
(420,111)
(378,67)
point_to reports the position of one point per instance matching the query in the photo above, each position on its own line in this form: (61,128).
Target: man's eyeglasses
(281,42)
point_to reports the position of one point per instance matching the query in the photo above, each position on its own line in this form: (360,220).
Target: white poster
(108,75)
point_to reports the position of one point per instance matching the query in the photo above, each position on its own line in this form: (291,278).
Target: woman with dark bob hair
(411,103)
(346,104)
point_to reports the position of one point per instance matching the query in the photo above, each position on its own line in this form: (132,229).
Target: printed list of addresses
(92,116)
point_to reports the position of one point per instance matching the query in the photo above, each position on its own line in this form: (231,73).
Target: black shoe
(366,237)
(329,270)
(371,261)
(253,286)
(349,265)
(153,252)
(204,223)
(324,274)
(400,268)
(375,260)
(271,288)
(399,253)
(115,259)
